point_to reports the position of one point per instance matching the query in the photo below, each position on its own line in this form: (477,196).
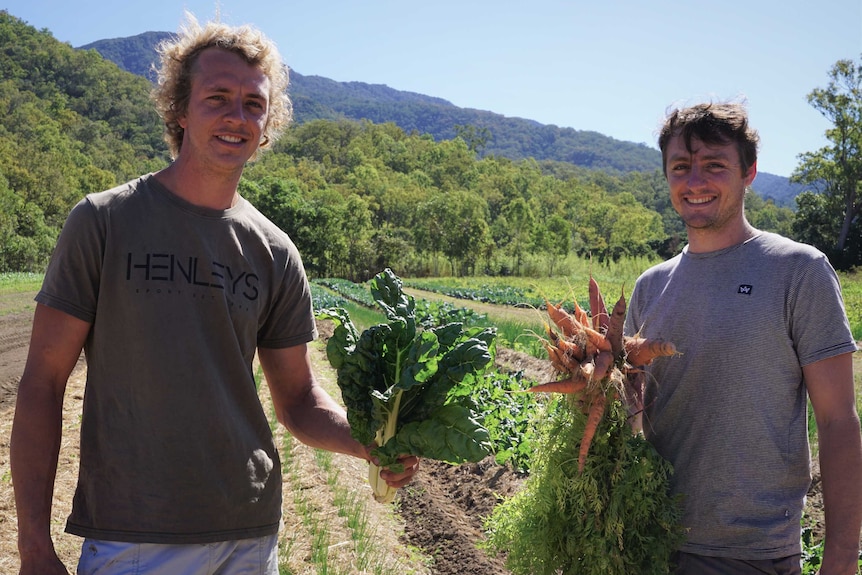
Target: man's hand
(398,480)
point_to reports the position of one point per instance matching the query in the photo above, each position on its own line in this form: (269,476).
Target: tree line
(355,196)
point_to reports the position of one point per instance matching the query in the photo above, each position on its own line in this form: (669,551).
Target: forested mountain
(70,122)
(73,123)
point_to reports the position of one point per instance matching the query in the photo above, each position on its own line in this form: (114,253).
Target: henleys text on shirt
(192,270)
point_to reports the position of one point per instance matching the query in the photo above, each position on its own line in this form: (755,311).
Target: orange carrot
(555,357)
(597,306)
(568,385)
(603,363)
(581,315)
(597,410)
(570,349)
(596,342)
(562,319)
(640,351)
(615,326)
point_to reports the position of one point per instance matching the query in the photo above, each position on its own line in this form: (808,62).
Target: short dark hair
(712,124)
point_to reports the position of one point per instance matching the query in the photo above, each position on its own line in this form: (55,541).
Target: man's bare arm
(55,345)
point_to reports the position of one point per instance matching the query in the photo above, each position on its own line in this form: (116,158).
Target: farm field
(434,525)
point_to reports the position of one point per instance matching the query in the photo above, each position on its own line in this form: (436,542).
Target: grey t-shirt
(175,446)
(730,412)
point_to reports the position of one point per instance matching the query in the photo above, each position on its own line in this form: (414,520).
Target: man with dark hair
(760,326)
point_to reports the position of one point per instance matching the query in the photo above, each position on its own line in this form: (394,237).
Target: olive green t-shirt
(175,446)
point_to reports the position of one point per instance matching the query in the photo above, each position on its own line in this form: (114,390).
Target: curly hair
(712,124)
(178,56)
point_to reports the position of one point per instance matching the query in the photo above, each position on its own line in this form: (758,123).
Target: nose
(235,112)
(696,178)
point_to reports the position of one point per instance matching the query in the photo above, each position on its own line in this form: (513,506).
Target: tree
(475,138)
(814,224)
(836,169)
(521,222)
(466,231)
(431,228)
(554,239)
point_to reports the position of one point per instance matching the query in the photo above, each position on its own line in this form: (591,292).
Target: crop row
(428,313)
(485,293)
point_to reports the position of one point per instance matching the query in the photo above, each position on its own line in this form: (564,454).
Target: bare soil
(443,510)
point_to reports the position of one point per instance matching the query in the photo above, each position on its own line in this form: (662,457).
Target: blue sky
(612,66)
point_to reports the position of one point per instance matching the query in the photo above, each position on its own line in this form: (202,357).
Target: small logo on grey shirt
(744,289)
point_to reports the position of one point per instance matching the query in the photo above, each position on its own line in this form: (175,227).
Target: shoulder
(661,270)
(779,253)
(117,196)
(259,232)
(123,190)
(776,245)
(261,224)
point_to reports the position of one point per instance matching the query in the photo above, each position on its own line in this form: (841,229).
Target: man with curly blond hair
(172,92)
(172,284)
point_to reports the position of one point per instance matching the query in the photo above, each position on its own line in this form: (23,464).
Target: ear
(749,177)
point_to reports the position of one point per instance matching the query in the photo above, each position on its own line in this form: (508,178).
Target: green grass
(20,282)
(851,287)
(363,317)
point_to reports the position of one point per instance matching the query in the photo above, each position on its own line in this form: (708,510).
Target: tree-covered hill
(70,123)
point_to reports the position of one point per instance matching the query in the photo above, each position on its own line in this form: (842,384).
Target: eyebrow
(721,155)
(218,88)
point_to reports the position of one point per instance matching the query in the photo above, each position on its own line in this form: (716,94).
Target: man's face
(227,111)
(707,185)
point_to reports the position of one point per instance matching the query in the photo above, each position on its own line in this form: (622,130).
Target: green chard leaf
(451,434)
(386,288)
(343,338)
(361,375)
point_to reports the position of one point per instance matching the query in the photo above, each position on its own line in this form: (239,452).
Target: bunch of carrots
(597,363)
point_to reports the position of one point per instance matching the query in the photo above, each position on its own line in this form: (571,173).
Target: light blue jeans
(243,557)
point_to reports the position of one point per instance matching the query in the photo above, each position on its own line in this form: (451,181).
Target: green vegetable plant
(395,381)
(615,517)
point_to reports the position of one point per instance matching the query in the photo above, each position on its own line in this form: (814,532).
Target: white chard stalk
(383,493)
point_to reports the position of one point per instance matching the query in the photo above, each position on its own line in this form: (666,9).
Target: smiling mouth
(697,201)
(231,139)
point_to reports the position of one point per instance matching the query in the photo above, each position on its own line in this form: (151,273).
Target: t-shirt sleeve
(820,328)
(290,320)
(72,278)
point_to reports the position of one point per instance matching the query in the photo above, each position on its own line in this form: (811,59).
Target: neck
(702,240)
(203,188)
